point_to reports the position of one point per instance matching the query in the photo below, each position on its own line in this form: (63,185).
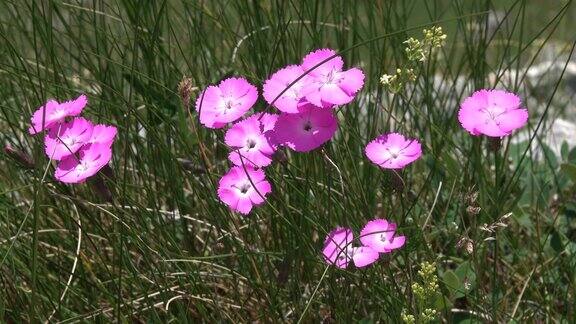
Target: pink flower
(393,151)
(91,158)
(225,103)
(494,113)
(338,250)
(242,190)
(248,139)
(53,113)
(306,130)
(103,134)
(291,99)
(329,84)
(379,235)
(67,138)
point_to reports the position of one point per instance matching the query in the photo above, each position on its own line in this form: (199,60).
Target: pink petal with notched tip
(263,188)
(352,81)
(512,119)
(104,134)
(316,57)
(506,100)
(46,113)
(333,94)
(75,106)
(364,256)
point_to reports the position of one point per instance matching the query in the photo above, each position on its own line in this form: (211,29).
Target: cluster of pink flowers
(377,237)
(304,94)
(80,147)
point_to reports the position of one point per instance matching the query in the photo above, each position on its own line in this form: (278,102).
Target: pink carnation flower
(379,235)
(494,113)
(248,139)
(53,113)
(292,99)
(393,151)
(67,138)
(306,130)
(225,103)
(103,134)
(236,189)
(338,250)
(328,84)
(91,158)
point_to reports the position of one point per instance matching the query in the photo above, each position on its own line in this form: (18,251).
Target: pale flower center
(251,143)
(83,167)
(69,141)
(383,238)
(394,152)
(244,188)
(494,110)
(332,77)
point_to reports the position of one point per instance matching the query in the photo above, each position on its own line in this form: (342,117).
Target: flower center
(494,110)
(307,126)
(331,77)
(394,153)
(244,188)
(69,141)
(251,143)
(83,167)
(383,238)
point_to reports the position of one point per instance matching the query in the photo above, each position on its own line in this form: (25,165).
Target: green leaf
(569,170)
(451,281)
(572,155)
(549,157)
(564,150)
(556,242)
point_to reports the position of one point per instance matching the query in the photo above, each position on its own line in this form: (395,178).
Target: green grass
(165,249)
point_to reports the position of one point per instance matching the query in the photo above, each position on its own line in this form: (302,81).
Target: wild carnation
(225,103)
(249,141)
(306,130)
(393,151)
(379,234)
(329,84)
(242,188)
(494,113)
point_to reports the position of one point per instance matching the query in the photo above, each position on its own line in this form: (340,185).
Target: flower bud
(21,157)
(185,89)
